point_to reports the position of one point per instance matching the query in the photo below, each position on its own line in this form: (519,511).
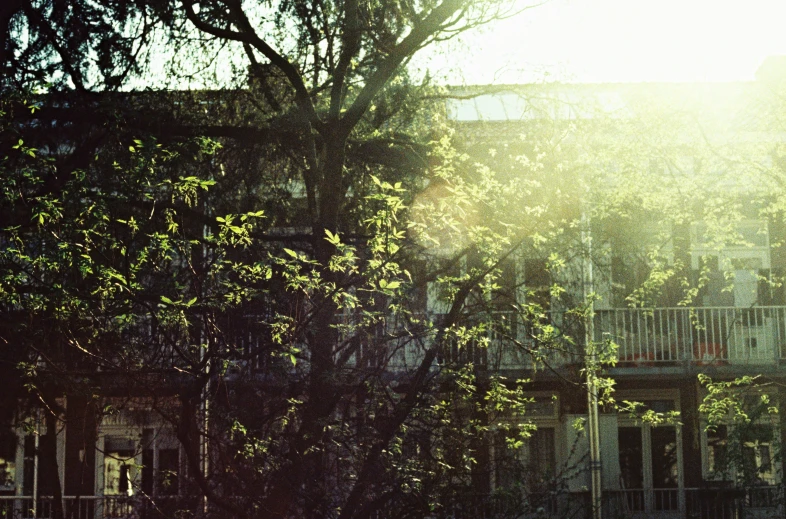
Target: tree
(113,230)
(312,278)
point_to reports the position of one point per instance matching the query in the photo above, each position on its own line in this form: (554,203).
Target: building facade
(654,254)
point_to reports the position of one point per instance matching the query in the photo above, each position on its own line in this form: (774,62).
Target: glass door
(650,469)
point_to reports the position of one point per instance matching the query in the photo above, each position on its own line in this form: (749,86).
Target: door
(650,470)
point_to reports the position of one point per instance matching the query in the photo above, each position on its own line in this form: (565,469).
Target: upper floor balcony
(681,337)
(703,336)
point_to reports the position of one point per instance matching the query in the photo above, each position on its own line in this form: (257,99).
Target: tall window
(8,448)
(120,466)
(650,460)
(130,461)
(529,468)
(745,453)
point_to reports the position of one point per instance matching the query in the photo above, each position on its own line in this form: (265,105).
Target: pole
(593,429)
(35,462)
(204,446)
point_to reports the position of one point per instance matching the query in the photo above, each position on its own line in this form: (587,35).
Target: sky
(620,41)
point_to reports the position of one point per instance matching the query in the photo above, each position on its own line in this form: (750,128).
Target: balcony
(719,336)
(645,337)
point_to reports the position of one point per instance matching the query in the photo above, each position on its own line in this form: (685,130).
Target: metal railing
(96,507)
(659,503)
(712,336)
(620,503)
(703,336)
(505,505)
(704,503)
(716,336)
(507,340)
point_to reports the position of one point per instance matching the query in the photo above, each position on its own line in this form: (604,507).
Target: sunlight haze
(621,41)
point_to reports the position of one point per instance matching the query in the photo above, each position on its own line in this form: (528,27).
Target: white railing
(508,340)
(703,336)
(716,336)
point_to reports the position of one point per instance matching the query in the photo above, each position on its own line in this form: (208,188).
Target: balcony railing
(702,336)
(659,503)
(718,336)
(97,507)
(705,503)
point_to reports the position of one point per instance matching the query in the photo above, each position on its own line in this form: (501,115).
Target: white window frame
(124,427)
(727,253)
(646,439)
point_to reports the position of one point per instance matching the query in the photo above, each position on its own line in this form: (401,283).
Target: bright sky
(623,40)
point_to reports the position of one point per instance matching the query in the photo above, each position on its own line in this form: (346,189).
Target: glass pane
(531,467)
(664,457)
(168,468)
(7,459)
(717,449)
(659,406)
(120,467)
(147,471)
(631,461)
(765,459)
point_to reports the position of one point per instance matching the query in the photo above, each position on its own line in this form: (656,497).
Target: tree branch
(408,46)
(349,49)
(248,35)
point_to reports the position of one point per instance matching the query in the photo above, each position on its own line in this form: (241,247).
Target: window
(529,468)
(131,460)
(717,452)
(757,455)
(120,466)
(8,448)
(650,457)
(19,452)
(734,255)
(744,453)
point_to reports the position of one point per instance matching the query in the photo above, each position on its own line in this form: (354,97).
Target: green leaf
(334,239)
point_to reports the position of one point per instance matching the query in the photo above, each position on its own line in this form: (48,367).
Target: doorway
(651,469)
